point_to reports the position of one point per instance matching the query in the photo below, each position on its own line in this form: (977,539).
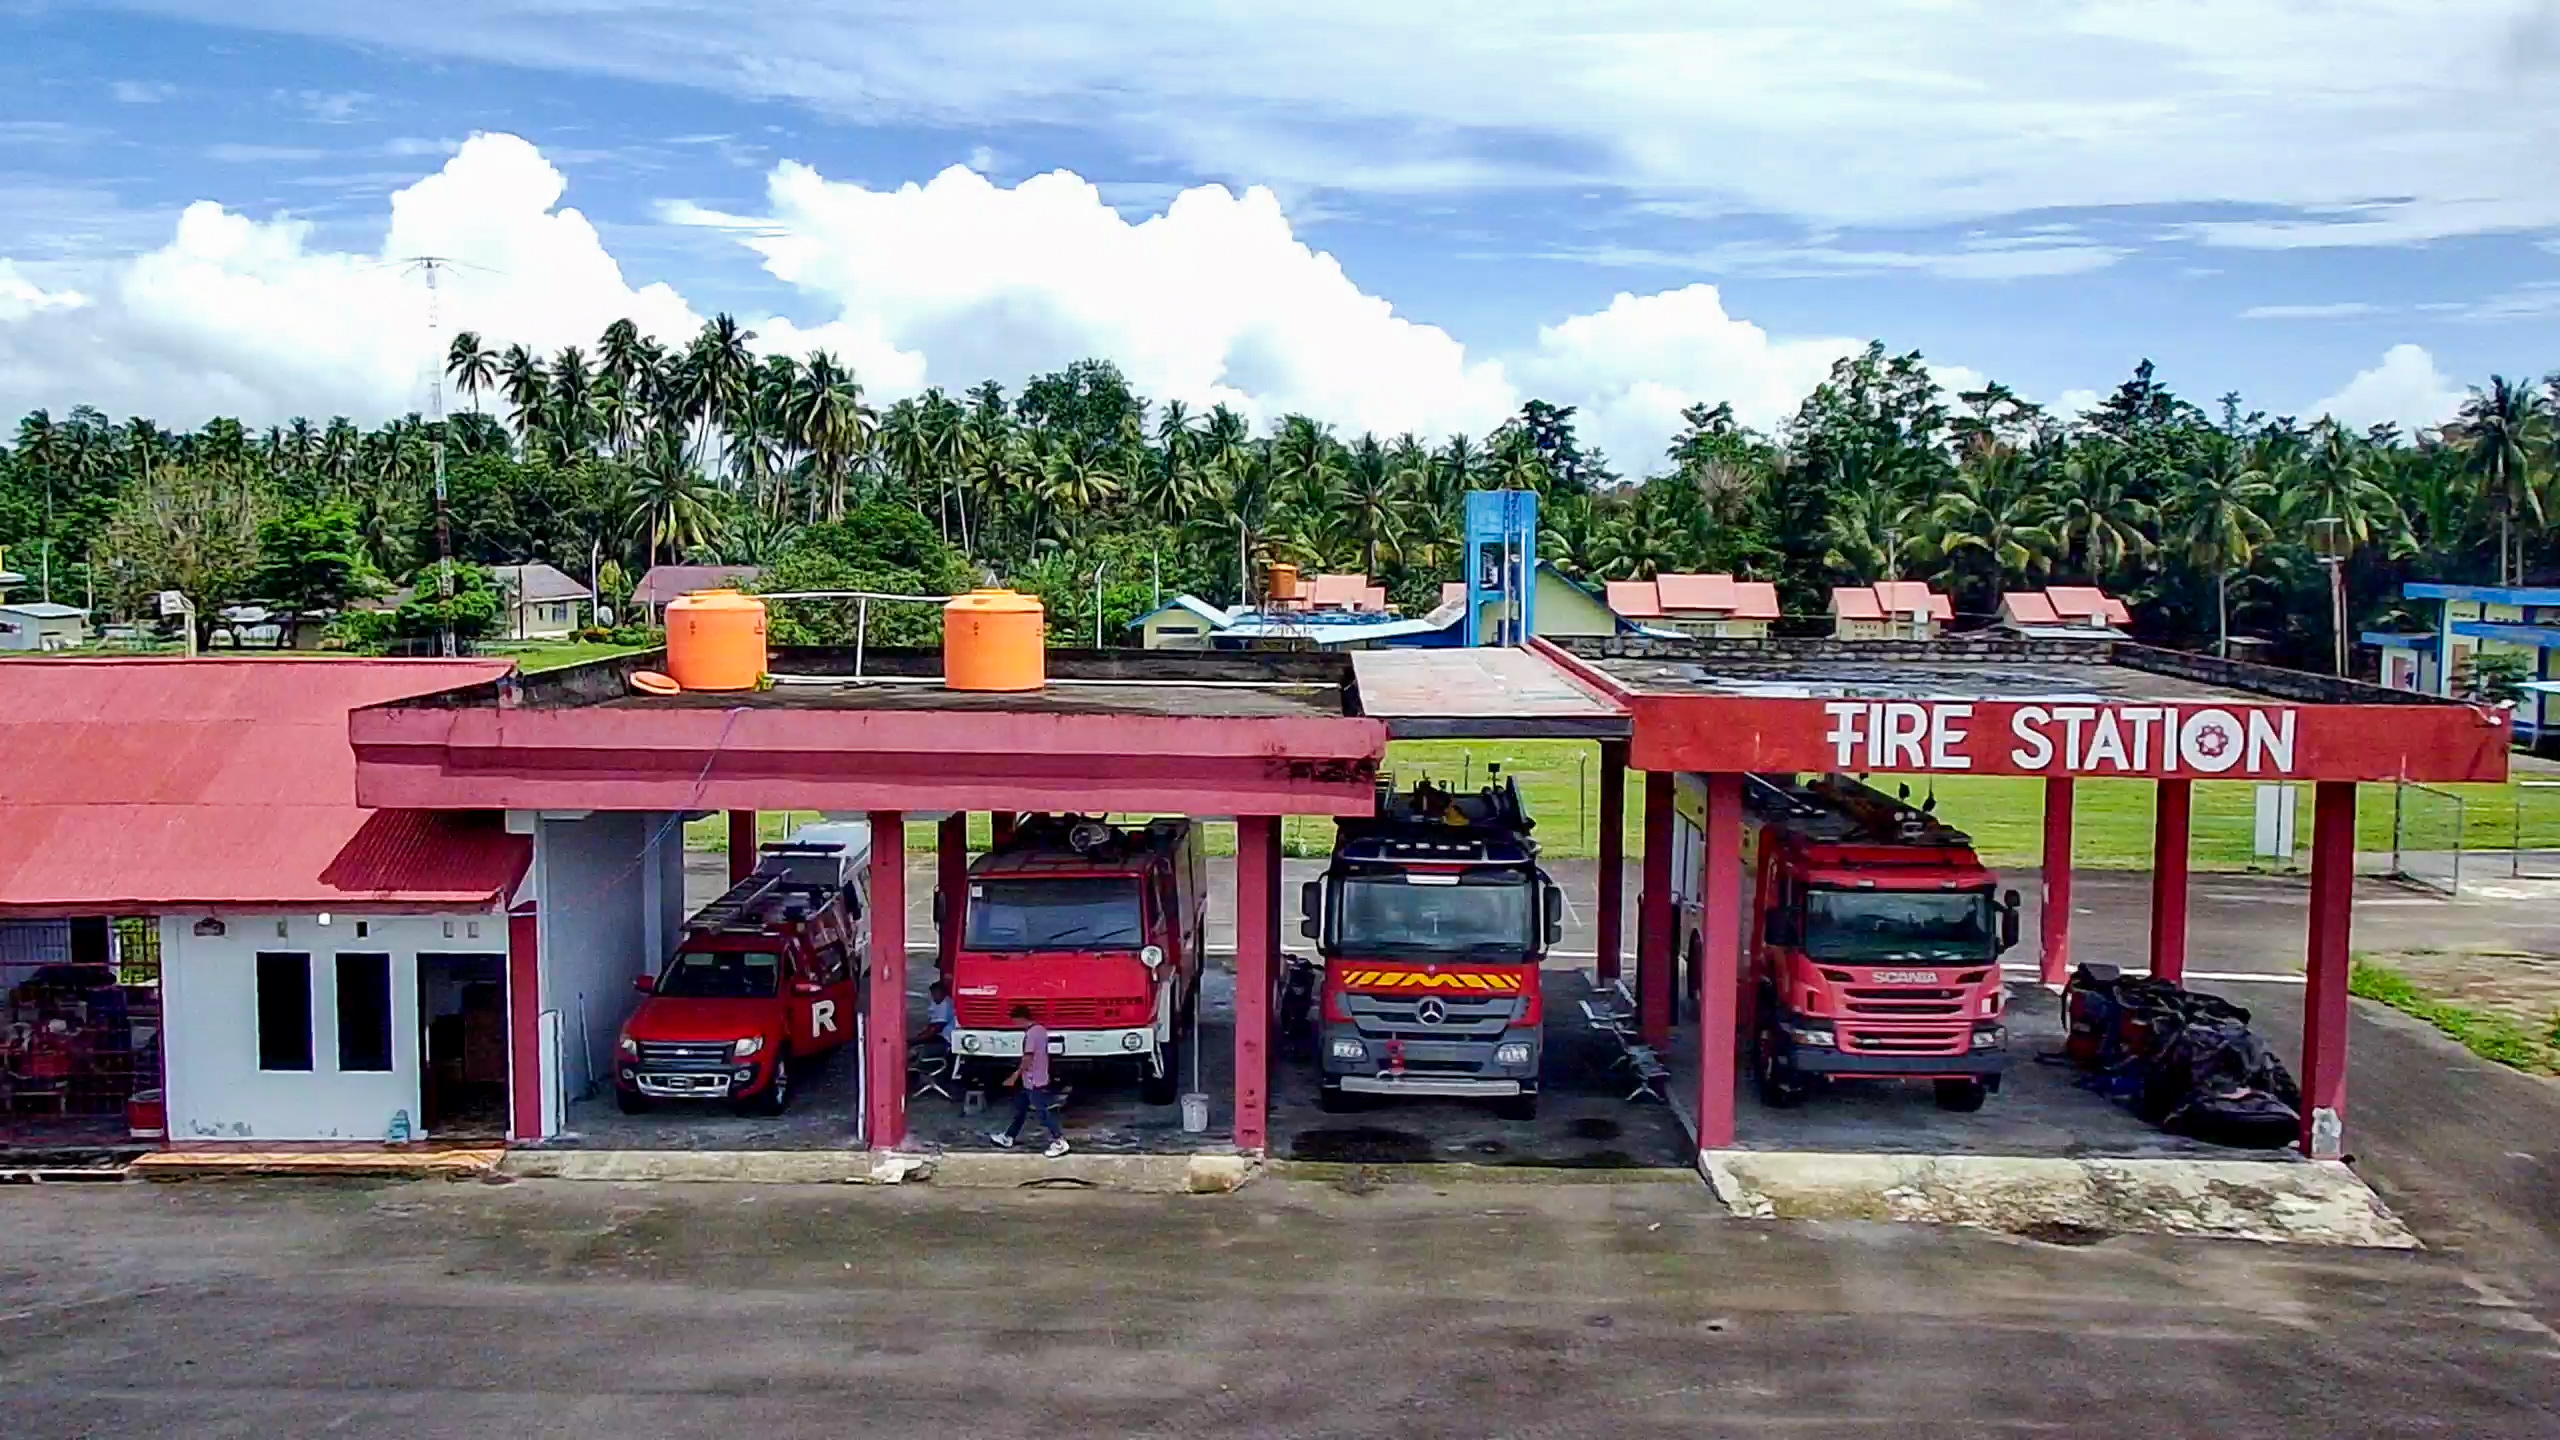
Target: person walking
(1031,1081)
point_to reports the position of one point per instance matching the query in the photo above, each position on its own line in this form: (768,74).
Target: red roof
(1901,597)
(1696,592)
(1755,600)
(1345,592)
(670,582)
(134,786)
(2028,607)
(1635,599)
(1856,602)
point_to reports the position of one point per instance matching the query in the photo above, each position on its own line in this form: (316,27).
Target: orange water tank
(1283,583)
(994,640)
(715,640)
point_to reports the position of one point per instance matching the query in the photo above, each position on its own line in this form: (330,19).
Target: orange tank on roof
(994,640)
(716,640)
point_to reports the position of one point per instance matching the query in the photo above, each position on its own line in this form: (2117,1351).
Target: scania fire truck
(1432,918)
(1872,939)
(1098,930)
(767,977)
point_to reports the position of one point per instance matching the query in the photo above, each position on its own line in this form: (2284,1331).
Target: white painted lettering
(2106,742)
(2072,718)
(1905,726)
(2139,719)
(2168,739)
(1946,732)
(822,1017)
(2212,741)
(2034,750)
(2270,741)
(1848,732)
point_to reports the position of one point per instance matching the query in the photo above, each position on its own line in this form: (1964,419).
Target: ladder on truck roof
(743,907)
(1868,814)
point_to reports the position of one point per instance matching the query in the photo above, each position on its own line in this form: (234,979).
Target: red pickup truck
(766,976)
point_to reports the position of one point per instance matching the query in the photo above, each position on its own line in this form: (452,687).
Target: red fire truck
(1099,930)
(1873,944)
(1432,918)
(766,977)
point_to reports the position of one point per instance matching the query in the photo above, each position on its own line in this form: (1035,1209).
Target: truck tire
(1962,1096)
(630,1102)
(1164,1089)
(777,1095)
(1517,1107)
(1781,1088)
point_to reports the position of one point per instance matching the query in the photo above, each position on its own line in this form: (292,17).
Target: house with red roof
(2065,612)
(1889,610)
(202,932)
(1710,606)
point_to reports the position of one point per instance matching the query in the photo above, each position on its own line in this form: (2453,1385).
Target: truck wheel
(630,1102)
(1962,1096)
(1163,1089)
(777,1096)
(1517,1107)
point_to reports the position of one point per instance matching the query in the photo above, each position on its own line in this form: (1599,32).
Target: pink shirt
(1035,1055)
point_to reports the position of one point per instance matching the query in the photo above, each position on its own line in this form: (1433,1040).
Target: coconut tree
(2500,429)
(670,505)
(2216,520)
(471,366)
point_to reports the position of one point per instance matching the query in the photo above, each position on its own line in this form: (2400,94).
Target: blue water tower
(1502,566)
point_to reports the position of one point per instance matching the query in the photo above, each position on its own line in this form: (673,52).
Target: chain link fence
(2427,837)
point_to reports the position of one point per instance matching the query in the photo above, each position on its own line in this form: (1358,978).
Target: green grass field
(538,656)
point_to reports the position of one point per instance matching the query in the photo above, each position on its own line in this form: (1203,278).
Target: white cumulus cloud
(2406,390)
(1212,299)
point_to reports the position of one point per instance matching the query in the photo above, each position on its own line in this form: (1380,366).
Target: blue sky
(2263,195)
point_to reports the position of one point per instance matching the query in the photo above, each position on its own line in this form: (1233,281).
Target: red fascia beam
(1582,675)
(909,760)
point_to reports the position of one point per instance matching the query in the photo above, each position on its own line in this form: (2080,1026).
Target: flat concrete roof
(1482,694)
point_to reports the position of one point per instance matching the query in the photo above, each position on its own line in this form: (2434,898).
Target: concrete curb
(1341,1172)
(968,1170)
(2275,1201)
(461,1163)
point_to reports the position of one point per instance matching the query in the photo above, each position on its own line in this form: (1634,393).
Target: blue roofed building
(2473,620)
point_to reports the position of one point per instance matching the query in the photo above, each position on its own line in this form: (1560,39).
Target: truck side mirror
(1555,915)
(1779,929)
(1311,909)
(645,984)
(2008,919)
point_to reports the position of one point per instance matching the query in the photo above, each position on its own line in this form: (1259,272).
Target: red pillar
(952,883)
(2324,1002)
(885,1072)
(1720,986)
(1257,928)
(1613,856)
(2055,931)
(2173,804)
(1002,823)
(742,845)
(524,1025)
(1654,915)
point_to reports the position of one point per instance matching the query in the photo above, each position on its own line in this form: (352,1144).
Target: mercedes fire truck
(1432,917)
(1873,943)
(1098,930)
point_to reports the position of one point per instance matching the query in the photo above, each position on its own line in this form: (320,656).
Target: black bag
(2214,1080)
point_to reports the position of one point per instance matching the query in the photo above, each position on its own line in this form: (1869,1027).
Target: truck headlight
(1133,1041)
(1989,1037)
(630,1046)
(1805,1035)
(1152,957)
(1515,1053)
(1350,1050)
(749,1046)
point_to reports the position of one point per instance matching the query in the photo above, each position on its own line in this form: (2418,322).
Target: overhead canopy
(1486,693)
(143,785)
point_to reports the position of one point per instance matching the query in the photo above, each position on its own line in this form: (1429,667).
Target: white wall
(209,992)
(609,905)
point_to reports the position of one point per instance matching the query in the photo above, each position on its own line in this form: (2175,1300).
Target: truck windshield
(1861,925)
(1085,913)
(722,975)
(1380,914)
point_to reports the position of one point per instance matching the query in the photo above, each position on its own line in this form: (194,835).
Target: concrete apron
(1213,1174)
(2282,1201)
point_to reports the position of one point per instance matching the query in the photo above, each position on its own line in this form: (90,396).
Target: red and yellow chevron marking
(1464,981)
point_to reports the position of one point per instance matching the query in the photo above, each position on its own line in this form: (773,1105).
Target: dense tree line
(605,462)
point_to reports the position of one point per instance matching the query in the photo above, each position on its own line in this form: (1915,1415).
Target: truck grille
(986,1013)
(1906,1040)
(1471,1016)
(1900,1003)
(686,1057)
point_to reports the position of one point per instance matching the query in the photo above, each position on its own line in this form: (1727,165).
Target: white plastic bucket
(1195,1112)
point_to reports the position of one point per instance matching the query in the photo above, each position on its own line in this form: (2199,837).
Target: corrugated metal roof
(138,785)
(668,582)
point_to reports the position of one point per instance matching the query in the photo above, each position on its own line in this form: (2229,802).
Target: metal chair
(929,1070)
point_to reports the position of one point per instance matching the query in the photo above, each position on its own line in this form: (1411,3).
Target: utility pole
(431,266)
(2329,544)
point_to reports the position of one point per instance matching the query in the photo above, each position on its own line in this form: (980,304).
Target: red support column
(2173,805)
(1613,857)
(2324,1000)
(1720,987)
(1002,823)
(884,1081)
(2054,935)
(742,845)
(1654,915)
(1257,928)
(951,882)
(524,1024)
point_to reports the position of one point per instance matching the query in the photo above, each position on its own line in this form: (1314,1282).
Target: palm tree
(572,405)
(2499,431)
(1988,512)
(526,387)
(825,416)
(2096,515)
(1375,501)
(2217,521)
(2334,481)
(470,365)
(670,504)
